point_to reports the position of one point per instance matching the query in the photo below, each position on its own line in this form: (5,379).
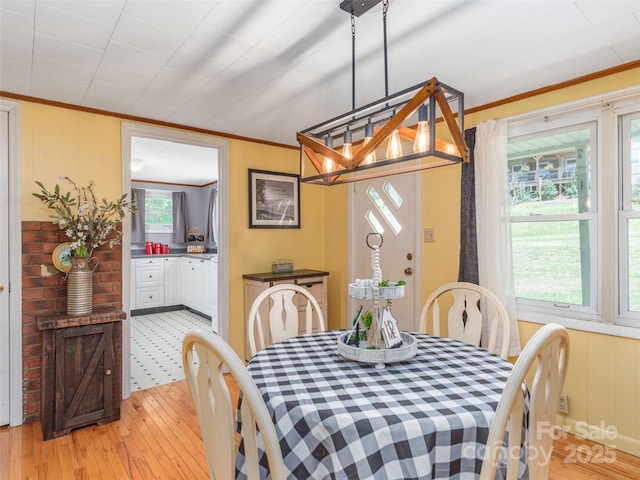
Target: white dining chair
(548,351)
(287,304)
(465,316)
(205,356)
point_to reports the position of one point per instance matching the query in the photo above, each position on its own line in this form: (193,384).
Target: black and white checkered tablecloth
(424,418)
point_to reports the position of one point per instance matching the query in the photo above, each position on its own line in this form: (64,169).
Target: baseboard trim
(171,308)
(604,434)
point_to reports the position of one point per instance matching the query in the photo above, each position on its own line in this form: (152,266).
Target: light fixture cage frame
(396,111)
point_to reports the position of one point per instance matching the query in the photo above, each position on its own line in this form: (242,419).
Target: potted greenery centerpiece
(88,224)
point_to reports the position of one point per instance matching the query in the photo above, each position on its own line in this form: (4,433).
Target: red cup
(148,248)
(157,248)
(165,249)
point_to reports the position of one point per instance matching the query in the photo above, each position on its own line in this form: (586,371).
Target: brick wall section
(44,292)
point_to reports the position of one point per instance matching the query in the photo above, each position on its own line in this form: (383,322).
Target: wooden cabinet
(81,370)
(313,280)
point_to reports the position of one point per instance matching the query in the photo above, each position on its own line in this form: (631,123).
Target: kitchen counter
(204,256)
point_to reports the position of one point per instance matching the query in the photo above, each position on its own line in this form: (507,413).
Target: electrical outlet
(563,407)
(429,235)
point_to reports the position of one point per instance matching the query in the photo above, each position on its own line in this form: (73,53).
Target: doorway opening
(161,163)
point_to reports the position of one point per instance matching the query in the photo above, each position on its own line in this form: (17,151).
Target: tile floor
(156,346)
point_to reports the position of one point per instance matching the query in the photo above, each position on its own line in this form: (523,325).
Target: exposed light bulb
(347,147)
(421,144)
(329,165)
(368,135)
(394,147)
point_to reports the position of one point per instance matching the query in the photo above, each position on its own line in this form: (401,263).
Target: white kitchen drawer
(150,276)
(149,297)
(141,262)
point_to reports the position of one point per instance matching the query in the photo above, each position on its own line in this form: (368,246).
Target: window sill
(582,325)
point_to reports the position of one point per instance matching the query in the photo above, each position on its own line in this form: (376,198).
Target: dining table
(426,417)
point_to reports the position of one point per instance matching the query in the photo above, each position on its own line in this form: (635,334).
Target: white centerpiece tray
(378,357)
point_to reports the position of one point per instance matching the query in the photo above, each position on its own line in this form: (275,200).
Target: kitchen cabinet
(192,283)
(158,282)
(313,280)
(81,370)
(172,293)
(149,280)
(200,294)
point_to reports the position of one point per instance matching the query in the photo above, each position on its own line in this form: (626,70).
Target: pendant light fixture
(411,130)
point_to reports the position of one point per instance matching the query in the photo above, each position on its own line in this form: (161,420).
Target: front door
(389,206)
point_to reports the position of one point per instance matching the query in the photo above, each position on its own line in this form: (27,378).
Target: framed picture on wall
(274,199)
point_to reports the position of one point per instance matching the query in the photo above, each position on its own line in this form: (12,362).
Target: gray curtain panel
(137,219)
(212,218)
(180,217)
(468,270)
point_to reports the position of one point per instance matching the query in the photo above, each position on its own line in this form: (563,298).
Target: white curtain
(495,264)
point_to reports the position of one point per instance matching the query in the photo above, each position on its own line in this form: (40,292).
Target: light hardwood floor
(158,437)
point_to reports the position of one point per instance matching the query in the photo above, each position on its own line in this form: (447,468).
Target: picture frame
(274,199)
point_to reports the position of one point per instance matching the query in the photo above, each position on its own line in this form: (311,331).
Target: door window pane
(384,210)
(394,195)
(374,222)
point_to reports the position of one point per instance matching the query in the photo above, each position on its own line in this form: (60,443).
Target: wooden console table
(81,370)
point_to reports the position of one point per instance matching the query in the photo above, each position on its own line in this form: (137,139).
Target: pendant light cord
(385,7)
(353,62)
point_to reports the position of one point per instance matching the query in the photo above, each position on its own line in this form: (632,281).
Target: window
(158,209)
(629,218)
(569,173)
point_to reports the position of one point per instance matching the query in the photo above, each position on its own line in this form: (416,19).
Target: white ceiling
(267,69)
(172,162)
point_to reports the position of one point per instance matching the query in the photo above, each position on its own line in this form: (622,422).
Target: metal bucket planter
(80,286)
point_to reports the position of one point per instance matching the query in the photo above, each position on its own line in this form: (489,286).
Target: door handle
(1,287)
(408,271)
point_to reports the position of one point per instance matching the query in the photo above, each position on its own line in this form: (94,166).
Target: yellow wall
(604,372)
(58,142)
(252,250)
